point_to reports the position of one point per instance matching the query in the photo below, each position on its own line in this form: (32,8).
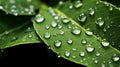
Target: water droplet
(95,61)
(60,26)
(74,49)
(78,4)
(47,35)
(1,7)
(69,41)
(65,20)
(82,17)
(83,41)
(67,54)
(91,11)
(71,6)
(58,56)
(56,17)
(105,44)
(47,26)
(102,65)
(76,31)
(82,54)
(90,49)
(54,24)
(14,38)
(39,18)
(97,54)
(60,2)
(62,32)
(73,56)
(100,22)
(110,8)
(89,33)
(116,58)
(30,35)
(57,43)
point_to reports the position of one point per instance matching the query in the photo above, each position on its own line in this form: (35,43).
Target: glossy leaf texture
(67,38)
(19,7)
(100,17)
(16,30)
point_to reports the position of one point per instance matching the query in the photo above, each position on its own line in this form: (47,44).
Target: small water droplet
(60,26)
(89,33)
(71,6)
(69,41)
(97,54)
(100,22)
(82,17)
(95,61)
(105,44)
(83,41)
(30,35)
(91,11)
(76,31)
(1,7)
(102,65)
(39,18)
(62,32)
(73,56)
(60,2)
(54,24)
(78,4)
(116,58)
(6,32)
(82,54)
(47,35)
(14,38)
(90,49)
(74,49)
(47,26)
(56,17)
(110,8)
(67,54)
(58,56)
(57,43)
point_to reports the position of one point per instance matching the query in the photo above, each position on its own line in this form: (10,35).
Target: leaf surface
(16,30)
(58,28)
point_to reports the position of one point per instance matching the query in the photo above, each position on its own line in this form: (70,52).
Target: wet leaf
(19,7)
(60,30)
(16,30)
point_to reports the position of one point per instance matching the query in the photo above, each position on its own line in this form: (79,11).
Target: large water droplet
(90,49)
(100,22)
(91,11)
(67,54)
(57,43)
(105,44)
(116,58)
(82,54)
(82,17)
(76,31)
(54,24)
(69,41)
(47,35)
(65,20)
(78,4)
(39,18)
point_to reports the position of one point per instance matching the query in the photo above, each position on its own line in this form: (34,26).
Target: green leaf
(19,7)
(107,13)
(60,30)
(16,30)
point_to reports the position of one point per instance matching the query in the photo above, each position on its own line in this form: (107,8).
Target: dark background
(36,55)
